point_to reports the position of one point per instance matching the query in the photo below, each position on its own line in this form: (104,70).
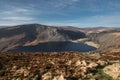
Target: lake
(56,47)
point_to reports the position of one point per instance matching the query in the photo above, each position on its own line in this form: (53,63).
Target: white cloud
(16,10)
(60,4)
(12,23)
(110,20)
(16,14)
(104,19)
(16,18)
(75,0)
(30,13)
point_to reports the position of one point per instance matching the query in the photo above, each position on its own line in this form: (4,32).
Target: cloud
(16,10)
(106,18)
(61,4)
(16,18)
(61,12)
(14,15)
(17,14)
(110,20)
(75,0)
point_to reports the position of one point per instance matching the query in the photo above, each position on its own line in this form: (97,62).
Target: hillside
(33,34)
(24,36)
(106,39)
(90,30)
(25,60)
(100,37)
(53,66)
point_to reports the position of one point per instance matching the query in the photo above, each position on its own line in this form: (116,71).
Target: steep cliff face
(33,34)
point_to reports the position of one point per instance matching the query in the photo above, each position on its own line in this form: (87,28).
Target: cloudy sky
(79,13)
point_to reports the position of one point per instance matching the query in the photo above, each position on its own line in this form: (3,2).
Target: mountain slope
(33,34)
(106,39)
(90,30)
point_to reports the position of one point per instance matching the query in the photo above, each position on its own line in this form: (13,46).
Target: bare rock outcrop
(113,70)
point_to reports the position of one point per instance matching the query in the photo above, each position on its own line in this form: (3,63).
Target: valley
(34,34)
(59,39)
(14,38)
(42,52)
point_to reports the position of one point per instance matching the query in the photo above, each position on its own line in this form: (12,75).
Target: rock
(92,65)
(113,70)
(14,67)
(84,63)
(84,69)
(102,63)
(23,71)
(59,78)
(69,63)
(36,77)
(18,79)
(78,63)
(47,76)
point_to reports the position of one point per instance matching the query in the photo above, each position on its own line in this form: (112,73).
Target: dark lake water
(56,47)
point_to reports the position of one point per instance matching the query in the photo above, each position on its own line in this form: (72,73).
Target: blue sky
(78,13)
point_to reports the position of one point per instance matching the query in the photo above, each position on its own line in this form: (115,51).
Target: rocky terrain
(101,64)
(58,66)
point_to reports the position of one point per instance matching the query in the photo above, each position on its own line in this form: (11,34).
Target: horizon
(56,26)
(76,13)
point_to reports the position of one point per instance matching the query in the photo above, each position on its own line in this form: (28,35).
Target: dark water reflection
(56,47)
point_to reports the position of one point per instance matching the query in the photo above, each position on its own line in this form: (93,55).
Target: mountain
(96,30)
(102,64)
(89,30)
(106,39)
(29,35)
(3,26)
(33,34)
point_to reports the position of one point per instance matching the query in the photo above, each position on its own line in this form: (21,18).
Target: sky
(77,13)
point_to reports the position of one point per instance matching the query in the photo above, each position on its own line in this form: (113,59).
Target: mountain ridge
(32,34)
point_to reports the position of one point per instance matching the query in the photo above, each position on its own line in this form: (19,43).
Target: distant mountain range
(104,36)
(33,34)
(90,30)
